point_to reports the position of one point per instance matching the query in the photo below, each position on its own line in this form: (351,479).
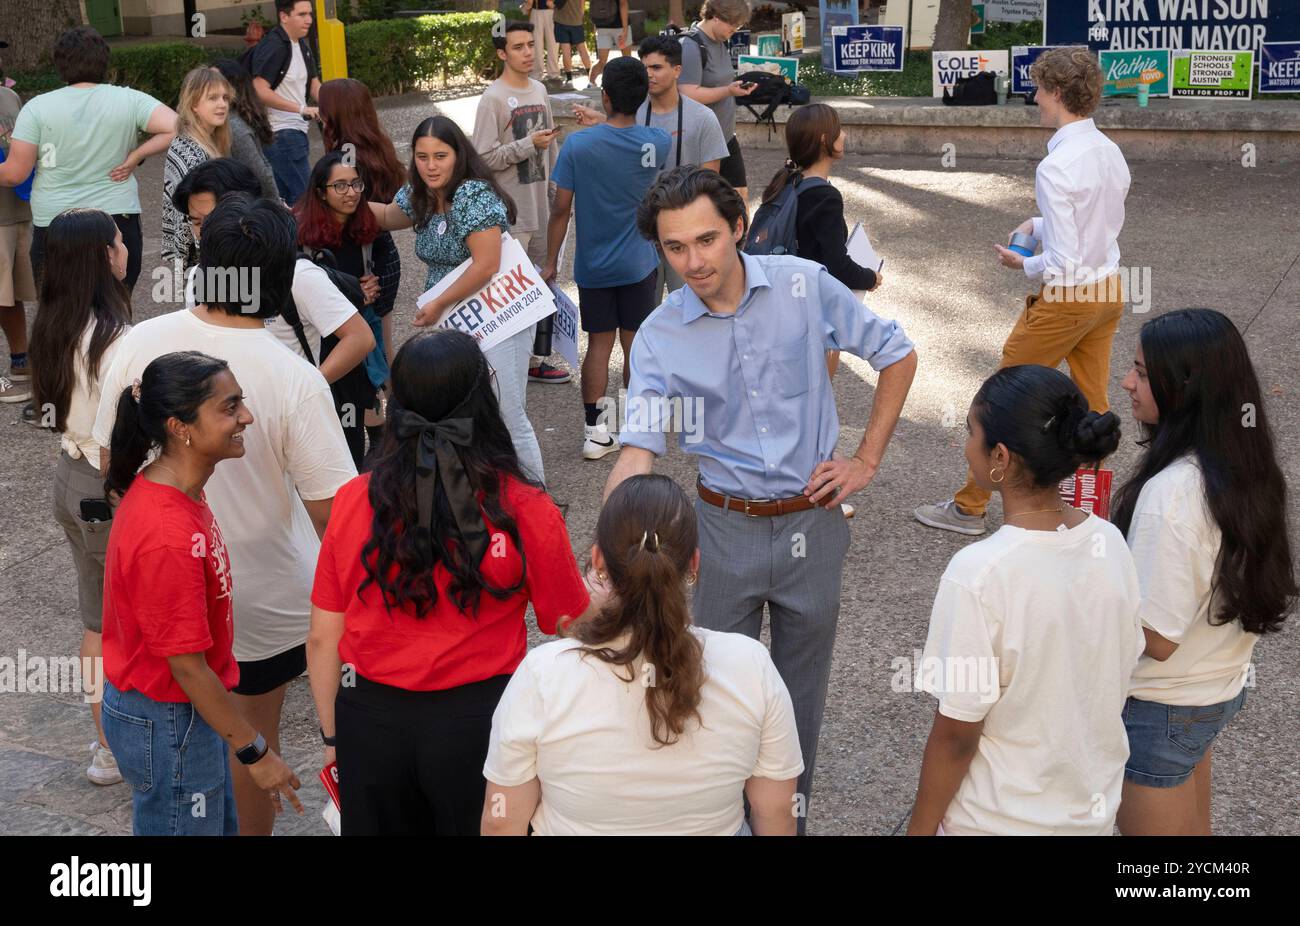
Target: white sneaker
(103,767)
(598,442)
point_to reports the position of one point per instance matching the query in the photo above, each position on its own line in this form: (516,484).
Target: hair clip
(1049,423)
(644,535)
(135,391)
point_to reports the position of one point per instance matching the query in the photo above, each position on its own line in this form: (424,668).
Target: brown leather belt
(755,508)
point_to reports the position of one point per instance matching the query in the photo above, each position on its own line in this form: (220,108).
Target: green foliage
(913,80)
(397,55)
(1004,35)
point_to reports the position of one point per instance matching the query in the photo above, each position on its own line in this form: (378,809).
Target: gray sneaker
(948,517)
(13,392)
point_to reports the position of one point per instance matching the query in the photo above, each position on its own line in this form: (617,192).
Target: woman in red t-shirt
(425,571)
(167,607)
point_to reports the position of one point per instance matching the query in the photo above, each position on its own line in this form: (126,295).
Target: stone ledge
(1192,130)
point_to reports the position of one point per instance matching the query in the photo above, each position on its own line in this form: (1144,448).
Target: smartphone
(95,509)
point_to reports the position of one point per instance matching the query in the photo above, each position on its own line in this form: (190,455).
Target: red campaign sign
(1089,490)
(329,777)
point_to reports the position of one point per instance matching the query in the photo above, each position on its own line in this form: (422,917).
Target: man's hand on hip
(834,480)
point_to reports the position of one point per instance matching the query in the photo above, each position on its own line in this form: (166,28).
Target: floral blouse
(441,243)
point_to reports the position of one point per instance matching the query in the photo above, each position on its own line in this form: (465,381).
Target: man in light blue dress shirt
(735,362)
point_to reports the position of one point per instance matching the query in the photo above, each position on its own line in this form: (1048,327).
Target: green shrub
(396,55)
(158,68)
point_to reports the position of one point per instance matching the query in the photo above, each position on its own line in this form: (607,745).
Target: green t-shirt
(80,134)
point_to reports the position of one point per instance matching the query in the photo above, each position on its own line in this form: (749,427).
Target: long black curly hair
(433,374)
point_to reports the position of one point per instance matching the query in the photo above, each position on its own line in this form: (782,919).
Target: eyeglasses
(342,186)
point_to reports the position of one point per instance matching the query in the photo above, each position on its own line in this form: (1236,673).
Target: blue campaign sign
(1214,25)
(1022,56)
(1279,67)
(832,14)
(868,48)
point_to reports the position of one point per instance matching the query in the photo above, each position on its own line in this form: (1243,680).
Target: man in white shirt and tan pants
(1080,187)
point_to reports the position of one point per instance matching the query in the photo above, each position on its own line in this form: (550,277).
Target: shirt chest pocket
(787,367)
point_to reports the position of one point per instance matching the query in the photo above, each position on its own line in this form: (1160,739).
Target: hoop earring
(1001,478)
(692,578)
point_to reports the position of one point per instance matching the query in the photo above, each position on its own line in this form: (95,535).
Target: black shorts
(614,308)
(264,675)
(732,167)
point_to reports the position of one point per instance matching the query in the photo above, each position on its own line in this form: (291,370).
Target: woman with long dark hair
(815,141)
(1206,518)
(250,128)
(168,711)
(349,123)
(85,309)
(425,571)
(460,211)
(331,225)
(644,724)
(1034,631)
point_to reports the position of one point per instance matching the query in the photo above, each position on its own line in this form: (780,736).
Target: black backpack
(773,230)
(773,90)
(604,14)
(977,90)
(345,283)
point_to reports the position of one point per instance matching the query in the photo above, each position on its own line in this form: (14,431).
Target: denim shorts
(176,765)
(1166,741)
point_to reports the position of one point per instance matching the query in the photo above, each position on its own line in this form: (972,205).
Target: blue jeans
(510,359)
(175,763)
(287,153)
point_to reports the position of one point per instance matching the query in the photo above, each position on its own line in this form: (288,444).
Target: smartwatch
(327,740)
(253,751)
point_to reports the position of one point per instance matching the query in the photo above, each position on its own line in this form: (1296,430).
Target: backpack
(773,229)
(604,14)
(773,90)
(345,283)
(977,90)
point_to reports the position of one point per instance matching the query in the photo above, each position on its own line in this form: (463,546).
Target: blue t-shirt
(609,170)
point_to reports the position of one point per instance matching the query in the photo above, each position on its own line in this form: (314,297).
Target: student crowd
(221,444)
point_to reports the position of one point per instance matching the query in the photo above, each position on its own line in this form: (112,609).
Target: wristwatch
(253,751)
(327,740)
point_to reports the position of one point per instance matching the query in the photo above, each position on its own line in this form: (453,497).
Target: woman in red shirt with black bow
(425,572)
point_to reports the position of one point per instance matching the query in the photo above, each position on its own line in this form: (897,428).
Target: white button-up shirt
(1080,187)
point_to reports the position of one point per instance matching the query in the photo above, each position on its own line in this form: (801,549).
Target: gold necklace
(1019,514)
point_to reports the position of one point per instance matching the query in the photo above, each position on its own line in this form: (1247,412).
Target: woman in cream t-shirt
(85,310)
(1205,516)
(1034,632)
(643,724)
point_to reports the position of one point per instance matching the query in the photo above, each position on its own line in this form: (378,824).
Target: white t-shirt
(321,307)
(1175,543)
(294,89)
(293,450)
(1036,633)
(83,404)
(567,719)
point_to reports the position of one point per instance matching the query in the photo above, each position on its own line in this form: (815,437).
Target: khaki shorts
(608,38)
(16,281)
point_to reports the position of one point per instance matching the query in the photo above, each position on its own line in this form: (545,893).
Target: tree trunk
(31,26)
(952,31)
